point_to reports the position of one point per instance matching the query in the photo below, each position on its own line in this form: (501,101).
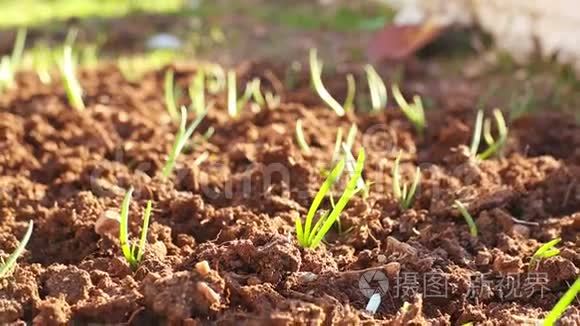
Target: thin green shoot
(6,74)
(202,158)
(42,61)
(301,139)
(272,100)
(483,127)
(316,76)
(337,143)
(351,136)
(351,167)
(170,103)
(216,78)
(18,49)
(470,222)
(208,133)
(232,94)
(310,237)
(73,89)
(487,136)
(404,194)
(257,92)
(133,253)
(496,145)
(545,251)
(197,92)
(414,112)
(183,135)
(7,267)
(71,36)
(476,138)
(350,92)
(562,304)
(377,89)
(8,65)
(252,91)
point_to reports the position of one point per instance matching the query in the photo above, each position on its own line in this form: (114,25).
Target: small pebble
(202,268)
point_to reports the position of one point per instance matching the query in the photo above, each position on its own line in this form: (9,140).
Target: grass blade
(476,138)
(468,218)
(124,228)
(377,89)
(301,139)
(232,96)
(18,50)
(181,139)
(197,92)
(496,147)
(562,304)
(316,76)
(350,92)
(324,189)
(350,191)
(145,228)
(72,86)
(170,103)
(414,112)
(10,263)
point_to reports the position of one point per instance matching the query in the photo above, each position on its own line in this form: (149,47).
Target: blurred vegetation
(38,12)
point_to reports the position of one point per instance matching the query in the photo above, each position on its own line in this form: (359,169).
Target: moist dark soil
(221,244)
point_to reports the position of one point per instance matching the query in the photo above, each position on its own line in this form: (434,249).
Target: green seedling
(183,135)
(216,78)
(316,76)
(6,74)
(351,136)
(337,143)
(414,112)
(404,194)
(562,304)
(470,222)
(9,65)
(483,128)
(42,61)
(7,267)
(545,251)
(133,253)
(18,49)
(232,94)
(170,103)
(351,168)
(310,237)
(377,89)
(273,101)
(350,92)
(197,92)
(257,92)
(252,91)
(74,92)
(301,139)
(202,158)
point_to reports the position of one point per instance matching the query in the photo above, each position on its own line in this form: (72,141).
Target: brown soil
(64,170)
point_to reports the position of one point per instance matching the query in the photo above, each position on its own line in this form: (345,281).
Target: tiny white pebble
(374,303)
